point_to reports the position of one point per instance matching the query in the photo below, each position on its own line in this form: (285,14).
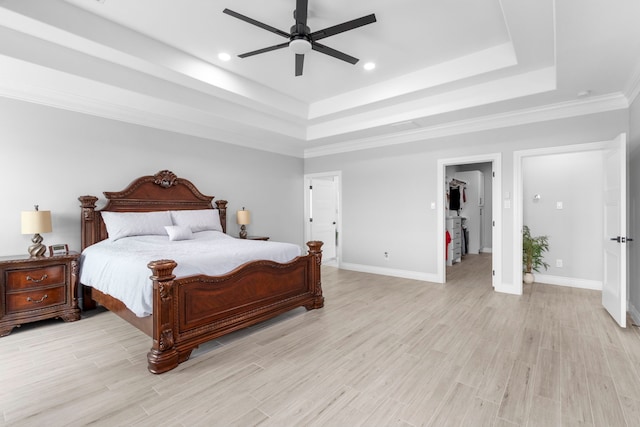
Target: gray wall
(386,189)
(48,159)
(575,231)
(634,210)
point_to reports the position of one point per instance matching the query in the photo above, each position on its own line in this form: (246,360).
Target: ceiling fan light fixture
(300,46)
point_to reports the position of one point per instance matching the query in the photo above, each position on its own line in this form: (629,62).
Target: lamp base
(37,249)
(243,232)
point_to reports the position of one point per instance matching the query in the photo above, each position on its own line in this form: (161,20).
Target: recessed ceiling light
(369,66)
(222,56)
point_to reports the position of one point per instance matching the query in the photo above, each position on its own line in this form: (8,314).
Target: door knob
(622,239)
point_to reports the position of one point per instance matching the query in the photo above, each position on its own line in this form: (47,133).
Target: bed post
(163,355)
(89,226)
(89,231)
(315,250)
(222,206)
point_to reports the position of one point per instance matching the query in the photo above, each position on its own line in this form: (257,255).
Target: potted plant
(533,249)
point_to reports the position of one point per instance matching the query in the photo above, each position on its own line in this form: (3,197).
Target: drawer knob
(31,279)
(44,297)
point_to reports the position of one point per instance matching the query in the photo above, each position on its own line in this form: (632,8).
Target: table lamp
(243,218)
(36,222)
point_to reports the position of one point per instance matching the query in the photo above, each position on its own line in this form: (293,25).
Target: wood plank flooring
(382,352)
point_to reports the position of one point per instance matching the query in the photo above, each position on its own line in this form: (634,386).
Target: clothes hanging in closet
(454,198)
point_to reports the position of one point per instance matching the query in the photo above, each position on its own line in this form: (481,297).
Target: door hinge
(310,219)
(311,187)
(493,174)
(493,272)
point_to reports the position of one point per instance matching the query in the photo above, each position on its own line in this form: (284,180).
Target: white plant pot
(528,278)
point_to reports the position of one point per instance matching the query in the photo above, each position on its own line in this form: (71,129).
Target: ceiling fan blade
(332,52)
(299,64)
(345,26)
(301,12)
(256,23)
(265,49)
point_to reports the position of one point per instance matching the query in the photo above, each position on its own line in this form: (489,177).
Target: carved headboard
(163,191)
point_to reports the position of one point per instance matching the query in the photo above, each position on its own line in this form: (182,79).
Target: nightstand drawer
(30,278)
(35,299)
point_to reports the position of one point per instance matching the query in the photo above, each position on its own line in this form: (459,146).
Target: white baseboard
(415,275)
(571,282)
(486,250)
(634,313)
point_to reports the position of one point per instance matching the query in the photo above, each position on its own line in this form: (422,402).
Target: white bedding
(119,268)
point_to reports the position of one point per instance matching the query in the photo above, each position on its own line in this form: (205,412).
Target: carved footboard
(192,310)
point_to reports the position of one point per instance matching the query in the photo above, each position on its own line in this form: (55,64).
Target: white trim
(592,105)
(518,202)
(496,236)
(570,282)
(405,274)
(633,88)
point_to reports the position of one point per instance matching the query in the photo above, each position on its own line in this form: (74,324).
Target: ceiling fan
(301,39)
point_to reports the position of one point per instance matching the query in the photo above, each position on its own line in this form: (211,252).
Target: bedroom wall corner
(633,213)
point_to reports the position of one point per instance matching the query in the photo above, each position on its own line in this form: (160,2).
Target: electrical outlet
(559,263)
(386,256)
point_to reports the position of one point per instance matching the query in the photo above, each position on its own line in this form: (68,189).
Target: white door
(323,206)
(614,289)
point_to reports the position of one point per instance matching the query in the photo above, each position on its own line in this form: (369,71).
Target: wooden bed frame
(189,311)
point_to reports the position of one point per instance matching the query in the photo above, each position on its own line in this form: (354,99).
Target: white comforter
(120,268)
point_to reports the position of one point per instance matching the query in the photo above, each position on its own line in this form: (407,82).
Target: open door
(614,288)
(323,210)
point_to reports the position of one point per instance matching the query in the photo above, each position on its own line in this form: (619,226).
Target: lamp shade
(243,217)
(35,222)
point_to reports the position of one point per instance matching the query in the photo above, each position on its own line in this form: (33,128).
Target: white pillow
(198,220)
(178,232)
(125,224)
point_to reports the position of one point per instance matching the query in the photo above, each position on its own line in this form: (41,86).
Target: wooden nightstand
(38,288)
(257,238)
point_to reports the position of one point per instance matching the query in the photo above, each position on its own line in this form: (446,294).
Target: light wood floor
(382,352)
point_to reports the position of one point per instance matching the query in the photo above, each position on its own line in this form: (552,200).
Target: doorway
(612,269)
(323,213)
(463,163)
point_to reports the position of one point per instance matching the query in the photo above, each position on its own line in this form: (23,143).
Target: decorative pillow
(178,232)
(198,220)
(125,224)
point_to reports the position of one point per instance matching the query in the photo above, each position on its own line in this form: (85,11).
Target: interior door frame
(518,198)
(496,211)
(337,176)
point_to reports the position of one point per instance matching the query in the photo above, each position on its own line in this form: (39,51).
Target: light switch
(558,205)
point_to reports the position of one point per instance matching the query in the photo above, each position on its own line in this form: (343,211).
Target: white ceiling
(442,66)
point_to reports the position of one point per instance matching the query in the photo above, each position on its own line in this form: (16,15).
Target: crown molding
(633,88)
(593,105)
